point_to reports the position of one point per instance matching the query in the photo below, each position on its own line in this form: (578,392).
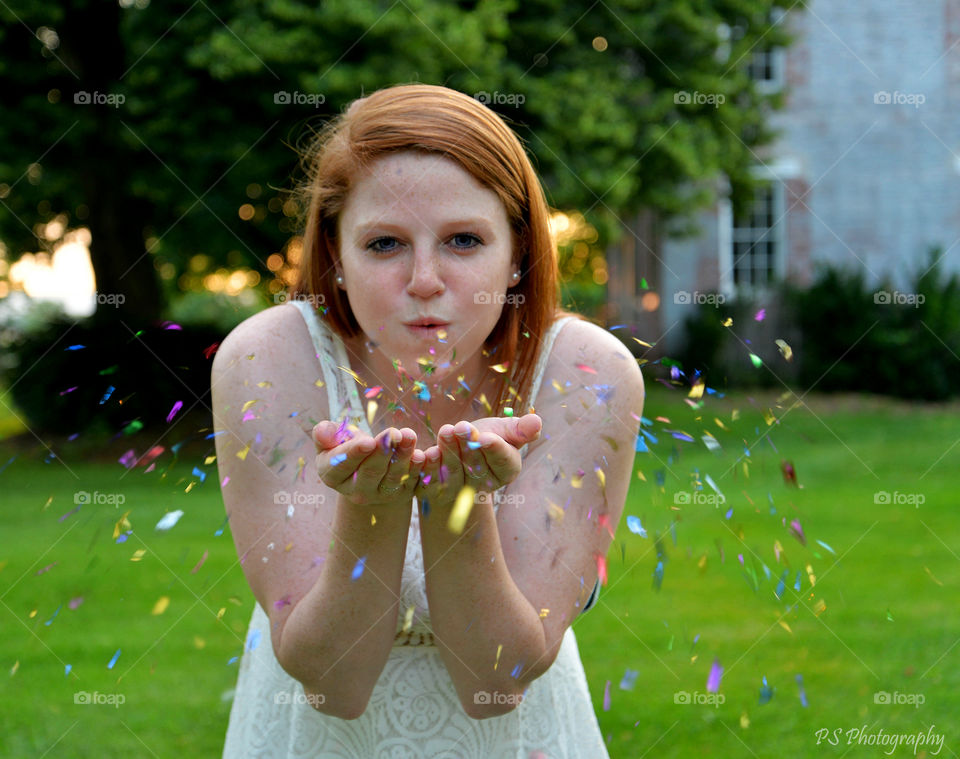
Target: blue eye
(374,245)
(473,240)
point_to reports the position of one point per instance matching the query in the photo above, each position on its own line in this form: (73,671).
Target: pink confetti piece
(797,531)
(69,390)
(602,569)
(761,315)
(585,368)
(713,680)
(171,325)
(173,411)
(129,459)
(75,602)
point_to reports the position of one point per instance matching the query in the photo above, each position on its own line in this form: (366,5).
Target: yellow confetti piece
(785,350)
(643,343)
(499,368)
(744,721)
(32,614)
(555,512)
(14,668)
(497,662)
(925,569)
(696,391)
(603,479)
(408,618)
(785,626)
(353,374)
(242,455)
(190,487)
(769,417)
(728,322)
(209,460)
(371,412)
(373,520)
(819,607)
(138,554)
(461,509)
(641,476)
(486,403)
(319,383)
(49,501)
(248,404)
(287,547)
(249,356)
(160,606)
(544,613)
(199,642)
(702,564)
(734,415)
(223,610)
(300,465)
(811,575)
(558,387)
(122,524)
(265,383)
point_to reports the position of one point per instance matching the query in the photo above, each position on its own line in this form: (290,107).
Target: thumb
(521,430)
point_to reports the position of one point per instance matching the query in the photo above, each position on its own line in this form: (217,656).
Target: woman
(418,561)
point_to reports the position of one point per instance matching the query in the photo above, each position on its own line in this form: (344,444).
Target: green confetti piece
(135,426)
(757,361)
(507,411)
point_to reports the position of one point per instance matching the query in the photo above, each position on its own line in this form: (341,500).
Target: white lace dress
(414,712)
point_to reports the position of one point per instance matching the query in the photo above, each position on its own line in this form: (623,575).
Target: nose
(426,277)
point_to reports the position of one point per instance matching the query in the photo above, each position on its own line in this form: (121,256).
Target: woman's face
(420,237)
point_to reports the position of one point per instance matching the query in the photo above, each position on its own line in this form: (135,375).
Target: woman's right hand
(369,471)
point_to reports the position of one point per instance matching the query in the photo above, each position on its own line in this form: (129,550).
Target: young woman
(424,458)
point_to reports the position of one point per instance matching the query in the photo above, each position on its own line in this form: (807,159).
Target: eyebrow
(368,226)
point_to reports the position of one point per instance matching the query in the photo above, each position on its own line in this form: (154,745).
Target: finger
(451,469)
(397,476)
(474,466)
(340,464)
(375,463)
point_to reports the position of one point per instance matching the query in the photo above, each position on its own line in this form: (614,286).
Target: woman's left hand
(487,467)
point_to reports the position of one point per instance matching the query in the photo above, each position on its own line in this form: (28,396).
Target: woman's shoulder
(579,339)
(277,332)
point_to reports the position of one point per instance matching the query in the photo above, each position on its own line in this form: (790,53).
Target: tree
(169,129)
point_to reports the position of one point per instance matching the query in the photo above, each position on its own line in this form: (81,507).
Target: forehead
(421,184)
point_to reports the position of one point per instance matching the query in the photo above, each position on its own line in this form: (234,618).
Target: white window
(757,240)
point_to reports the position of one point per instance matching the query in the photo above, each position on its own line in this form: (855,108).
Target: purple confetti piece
(358,569)
(173,411)
(713,680)
(114,659)
(129,459)
(629,679)
(761,315)
(606,697)
(797,531)
(69,390)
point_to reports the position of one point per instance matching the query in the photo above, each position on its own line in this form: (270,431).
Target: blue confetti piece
(658,576)
(651,438)
(647,422)
(641,446)
(75,348)
(253,640)
(516,671)
(358,569)
(199,473)
(766,693)
(113,660)
(107,394)
(338,459)
(803,693)
(682,436)
(633,523)
(796,585)
(629,679)
(746,451)
(473,445)
(827,547)
(66,669)
(214,434)
(50,621)
(232,660)
(425,509)
(781,585)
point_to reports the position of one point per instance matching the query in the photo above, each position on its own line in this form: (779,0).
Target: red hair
(438,120)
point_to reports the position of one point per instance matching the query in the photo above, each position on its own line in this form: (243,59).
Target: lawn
(872,613)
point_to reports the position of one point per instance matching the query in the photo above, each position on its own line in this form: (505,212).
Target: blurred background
(760,198)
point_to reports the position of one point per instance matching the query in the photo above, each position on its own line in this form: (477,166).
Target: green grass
(890,620)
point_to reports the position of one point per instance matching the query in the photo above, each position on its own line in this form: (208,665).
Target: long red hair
(437,119)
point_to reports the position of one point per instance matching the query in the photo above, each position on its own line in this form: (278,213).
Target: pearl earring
(339,279)
(516,276)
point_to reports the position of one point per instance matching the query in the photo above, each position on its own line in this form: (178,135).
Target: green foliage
(845,336)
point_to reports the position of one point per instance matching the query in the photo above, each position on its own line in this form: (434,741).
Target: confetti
(173,411)
(107,394)
(797,531)
(713,680)
(585,368)
(160,606)
(760,315)
(658,575)
(785,350)
(820,542)
(633,523)
(200,563)
(461,509)
(606,697)
(802,692)
(766,693)
(113,660)
(75,348)
(629,679)
(169,519)
(253,639)
(756,360)
(358,568)
(602,569)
